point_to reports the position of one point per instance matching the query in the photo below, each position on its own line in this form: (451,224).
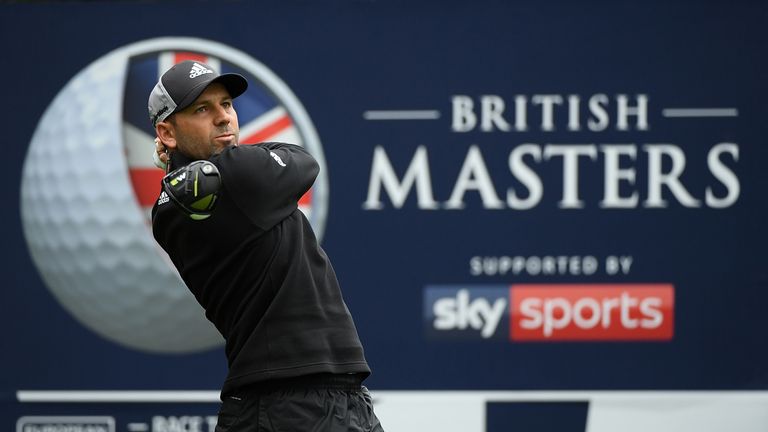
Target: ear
(167,134)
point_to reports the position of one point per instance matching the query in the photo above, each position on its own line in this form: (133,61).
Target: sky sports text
(550,312)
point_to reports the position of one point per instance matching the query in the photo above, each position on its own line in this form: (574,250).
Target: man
(228,217)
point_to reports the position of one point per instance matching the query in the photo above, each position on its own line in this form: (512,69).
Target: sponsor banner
(551,312)
(592,312)
(412,411)
(121,418)
(466,312)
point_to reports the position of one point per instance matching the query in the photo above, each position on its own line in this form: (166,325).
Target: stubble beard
(196,148)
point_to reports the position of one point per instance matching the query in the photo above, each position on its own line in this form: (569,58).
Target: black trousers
(322,402)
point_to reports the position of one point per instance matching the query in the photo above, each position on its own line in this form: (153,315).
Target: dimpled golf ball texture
(86,233)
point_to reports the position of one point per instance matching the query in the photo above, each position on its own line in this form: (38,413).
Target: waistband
(329,381)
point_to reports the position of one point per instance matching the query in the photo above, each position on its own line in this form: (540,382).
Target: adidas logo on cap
(198,70)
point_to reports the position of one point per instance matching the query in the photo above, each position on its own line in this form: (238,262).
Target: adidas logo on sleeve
(164,198)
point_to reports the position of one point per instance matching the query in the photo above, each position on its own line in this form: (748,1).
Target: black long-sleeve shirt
(258,271)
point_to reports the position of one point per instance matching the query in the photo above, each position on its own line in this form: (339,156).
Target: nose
(222,117)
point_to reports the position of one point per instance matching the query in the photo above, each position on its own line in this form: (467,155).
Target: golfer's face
(208,125)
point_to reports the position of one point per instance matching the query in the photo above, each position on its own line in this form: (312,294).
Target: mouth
(225,137)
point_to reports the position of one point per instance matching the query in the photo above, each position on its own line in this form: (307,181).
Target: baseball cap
(183,83)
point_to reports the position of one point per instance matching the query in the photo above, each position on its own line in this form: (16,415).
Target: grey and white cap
(183,83)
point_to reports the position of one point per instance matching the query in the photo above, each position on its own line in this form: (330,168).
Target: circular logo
(89,183)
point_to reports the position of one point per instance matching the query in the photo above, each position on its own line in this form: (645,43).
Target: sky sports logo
(547,312)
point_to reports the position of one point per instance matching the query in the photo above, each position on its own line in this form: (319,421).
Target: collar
(177,159)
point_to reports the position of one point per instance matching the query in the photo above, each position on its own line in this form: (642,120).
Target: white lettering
(461,313)
(597,104)
(547,103)
(212,421)
(666,165)
(626,264)
(491,112)
(724,174)
(492,107)
(624,111)
(177,424)
(526,176)
(557,315)
(573,113)
(586,313)
(535,265)
(521,113)
(474,175)
(614,175)
(615,264)
(649,307)
(464,118)
(628,303)
(657,179)
(586,320)
(530,309)
(382,173)
(570,154)
(609,305)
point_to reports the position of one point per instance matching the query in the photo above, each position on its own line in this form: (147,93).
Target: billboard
(535,210)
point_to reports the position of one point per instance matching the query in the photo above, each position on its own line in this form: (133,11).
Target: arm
(267,180)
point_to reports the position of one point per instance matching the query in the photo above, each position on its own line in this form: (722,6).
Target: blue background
(342,58)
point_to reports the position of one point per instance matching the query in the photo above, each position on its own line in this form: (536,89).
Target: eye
(201,109)
(227,104)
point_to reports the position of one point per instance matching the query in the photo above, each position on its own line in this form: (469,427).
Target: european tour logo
(551,312)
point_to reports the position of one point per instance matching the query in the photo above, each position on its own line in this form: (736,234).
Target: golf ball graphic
(88,184)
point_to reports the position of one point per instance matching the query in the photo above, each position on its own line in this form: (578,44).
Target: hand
(160,155)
